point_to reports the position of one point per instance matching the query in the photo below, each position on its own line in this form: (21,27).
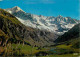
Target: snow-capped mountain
(57,24)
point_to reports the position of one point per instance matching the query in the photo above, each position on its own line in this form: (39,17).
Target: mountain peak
(16,8)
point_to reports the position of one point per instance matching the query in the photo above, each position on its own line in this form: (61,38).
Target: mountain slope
(12,30)
(71,34)
(70,39)
(57,24)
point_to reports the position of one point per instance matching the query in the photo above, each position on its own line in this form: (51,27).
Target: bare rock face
(11,29)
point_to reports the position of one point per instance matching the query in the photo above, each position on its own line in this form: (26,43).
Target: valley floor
(67,55)
(29,51)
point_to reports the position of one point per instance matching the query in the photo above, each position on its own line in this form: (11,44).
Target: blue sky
(45,7)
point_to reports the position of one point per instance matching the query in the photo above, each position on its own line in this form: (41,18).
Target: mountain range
(12,30)
(58,25)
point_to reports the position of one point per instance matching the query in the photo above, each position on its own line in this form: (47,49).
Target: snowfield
(57,24)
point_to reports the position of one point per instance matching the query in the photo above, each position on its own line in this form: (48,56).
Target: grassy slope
(26,49)
(7,16)
(70,40)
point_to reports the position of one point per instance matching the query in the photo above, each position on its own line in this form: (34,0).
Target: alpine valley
(30,35)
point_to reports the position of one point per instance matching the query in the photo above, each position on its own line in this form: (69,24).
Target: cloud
(39,2)
(1,0)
